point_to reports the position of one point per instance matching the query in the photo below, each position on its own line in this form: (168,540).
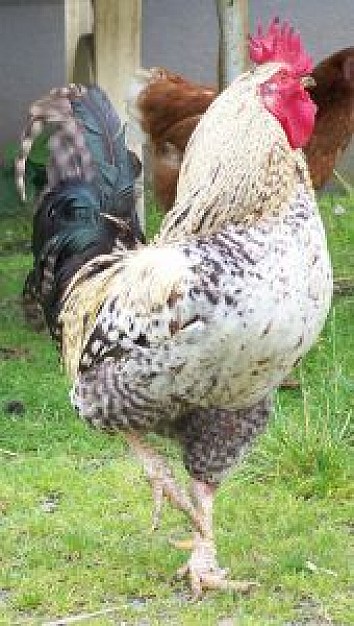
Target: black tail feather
(70,229)
(90,178)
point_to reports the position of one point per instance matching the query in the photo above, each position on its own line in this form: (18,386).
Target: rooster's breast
(265,292)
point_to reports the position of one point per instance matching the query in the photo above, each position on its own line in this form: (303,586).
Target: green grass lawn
(75,510)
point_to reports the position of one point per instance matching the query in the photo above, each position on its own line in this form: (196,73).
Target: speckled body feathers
(207,320)
(248,304)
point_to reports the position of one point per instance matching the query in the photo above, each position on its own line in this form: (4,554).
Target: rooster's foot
(183,544)
(203,571)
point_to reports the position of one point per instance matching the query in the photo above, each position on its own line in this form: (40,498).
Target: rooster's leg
(162,481)
(202,566)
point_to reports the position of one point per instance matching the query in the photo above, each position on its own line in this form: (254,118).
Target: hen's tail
(87,206)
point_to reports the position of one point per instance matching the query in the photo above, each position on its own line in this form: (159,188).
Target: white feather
(148,277)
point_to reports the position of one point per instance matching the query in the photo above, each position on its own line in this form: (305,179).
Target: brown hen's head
(284,94)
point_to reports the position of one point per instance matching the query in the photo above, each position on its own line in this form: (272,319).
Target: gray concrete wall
(181,35)
(31,57)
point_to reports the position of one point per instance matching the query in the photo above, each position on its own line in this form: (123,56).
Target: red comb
(280,43)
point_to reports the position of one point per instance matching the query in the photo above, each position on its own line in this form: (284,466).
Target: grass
(75,510)
(14,217)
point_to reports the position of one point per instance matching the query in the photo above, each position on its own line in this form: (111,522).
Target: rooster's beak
(308,82)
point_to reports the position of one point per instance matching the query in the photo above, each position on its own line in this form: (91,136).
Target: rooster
(189,336)
(168,108)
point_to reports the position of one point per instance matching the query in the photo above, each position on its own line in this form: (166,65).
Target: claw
(182,544)
(204,572)
(213,580)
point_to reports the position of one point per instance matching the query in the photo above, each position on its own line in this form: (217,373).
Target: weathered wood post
(78,22)
(233,32)
(117,35)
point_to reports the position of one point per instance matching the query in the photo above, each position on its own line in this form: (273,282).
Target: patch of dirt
(7,353)
(4,595)
(33,315)
(51,502)
(311,613)
(17,246)
(14,407)
(343,287)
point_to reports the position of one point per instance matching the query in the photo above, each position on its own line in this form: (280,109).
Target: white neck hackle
(238,164)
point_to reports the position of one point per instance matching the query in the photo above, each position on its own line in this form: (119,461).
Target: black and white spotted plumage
(248,303)
(204,323)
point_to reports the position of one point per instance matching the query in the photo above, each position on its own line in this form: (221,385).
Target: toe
(214,580)
(182,544)
(196,585)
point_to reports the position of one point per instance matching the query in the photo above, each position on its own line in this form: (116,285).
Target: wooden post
(117,28)
(78,22)
(233,50)
(117,36)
